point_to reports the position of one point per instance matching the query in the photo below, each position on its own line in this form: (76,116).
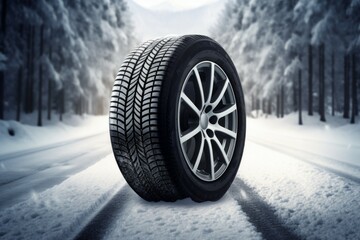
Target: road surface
(35,170)
(281,192)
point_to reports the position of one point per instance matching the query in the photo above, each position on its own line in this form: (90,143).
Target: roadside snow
(335,139)
(15,136)
(315,203)
(60,211)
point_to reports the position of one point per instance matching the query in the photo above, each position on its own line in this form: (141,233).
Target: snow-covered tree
(266,39)
(62,55)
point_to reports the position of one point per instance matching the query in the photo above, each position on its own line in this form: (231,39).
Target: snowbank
(15,136)
(335,138)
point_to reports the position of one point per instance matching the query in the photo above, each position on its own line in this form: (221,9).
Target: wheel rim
(207,121)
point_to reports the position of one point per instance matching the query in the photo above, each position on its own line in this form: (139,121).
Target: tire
(160,121)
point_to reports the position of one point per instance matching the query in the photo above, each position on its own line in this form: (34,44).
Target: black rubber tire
(143,118)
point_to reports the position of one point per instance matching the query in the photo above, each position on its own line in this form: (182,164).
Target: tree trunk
(32,68)
(19,84)
(277,105)
(2,50)
(263,104)
(62,102)
(252,102)
(295,104)
(19,94)
(300,99)
(346,87)
(49,87)
(322,82)
(353,88)
(27,72)
(40,77)
(310,82)
(49,99)
(356,108)
(2,94)
(269,106)
(332,83)
(29,89)
(282,103)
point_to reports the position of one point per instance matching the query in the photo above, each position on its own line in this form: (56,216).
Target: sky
(159,18)
(173,5)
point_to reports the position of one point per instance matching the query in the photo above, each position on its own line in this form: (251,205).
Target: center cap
(204,121)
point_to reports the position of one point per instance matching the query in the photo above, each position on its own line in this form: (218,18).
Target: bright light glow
(173,5)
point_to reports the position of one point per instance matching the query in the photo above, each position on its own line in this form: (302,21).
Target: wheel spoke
(211,86)
(211,154)
(207,130)
(190,134)
(198,158)
(190,103)
(221,95)
(223,130)
(226,111)
(200,86)
(221,148)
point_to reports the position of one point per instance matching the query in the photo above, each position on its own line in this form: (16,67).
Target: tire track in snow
(260,214)
(332,165)
(98,226)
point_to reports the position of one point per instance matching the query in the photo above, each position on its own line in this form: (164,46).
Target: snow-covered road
(290,186)
(275,196)
(35,170)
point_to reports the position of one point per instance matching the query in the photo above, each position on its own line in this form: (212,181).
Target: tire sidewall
(198,51)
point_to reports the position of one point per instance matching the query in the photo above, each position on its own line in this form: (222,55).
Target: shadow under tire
(177,119)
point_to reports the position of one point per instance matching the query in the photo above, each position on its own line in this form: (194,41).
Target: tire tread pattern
(134,125)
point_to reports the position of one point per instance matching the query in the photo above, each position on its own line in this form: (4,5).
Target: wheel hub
(204,121)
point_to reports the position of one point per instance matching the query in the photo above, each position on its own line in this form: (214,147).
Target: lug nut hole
(210,133)
(213,119)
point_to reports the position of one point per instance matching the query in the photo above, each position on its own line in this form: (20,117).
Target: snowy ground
(15,136)
(294,181)
(35,159)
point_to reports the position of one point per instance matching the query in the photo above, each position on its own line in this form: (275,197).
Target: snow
(294,66)
(335,138)
(26,137)
(183,219)
(289,166)
(316,203)
(57,213)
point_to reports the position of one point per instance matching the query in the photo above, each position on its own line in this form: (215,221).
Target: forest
(60,56)
(295,55)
